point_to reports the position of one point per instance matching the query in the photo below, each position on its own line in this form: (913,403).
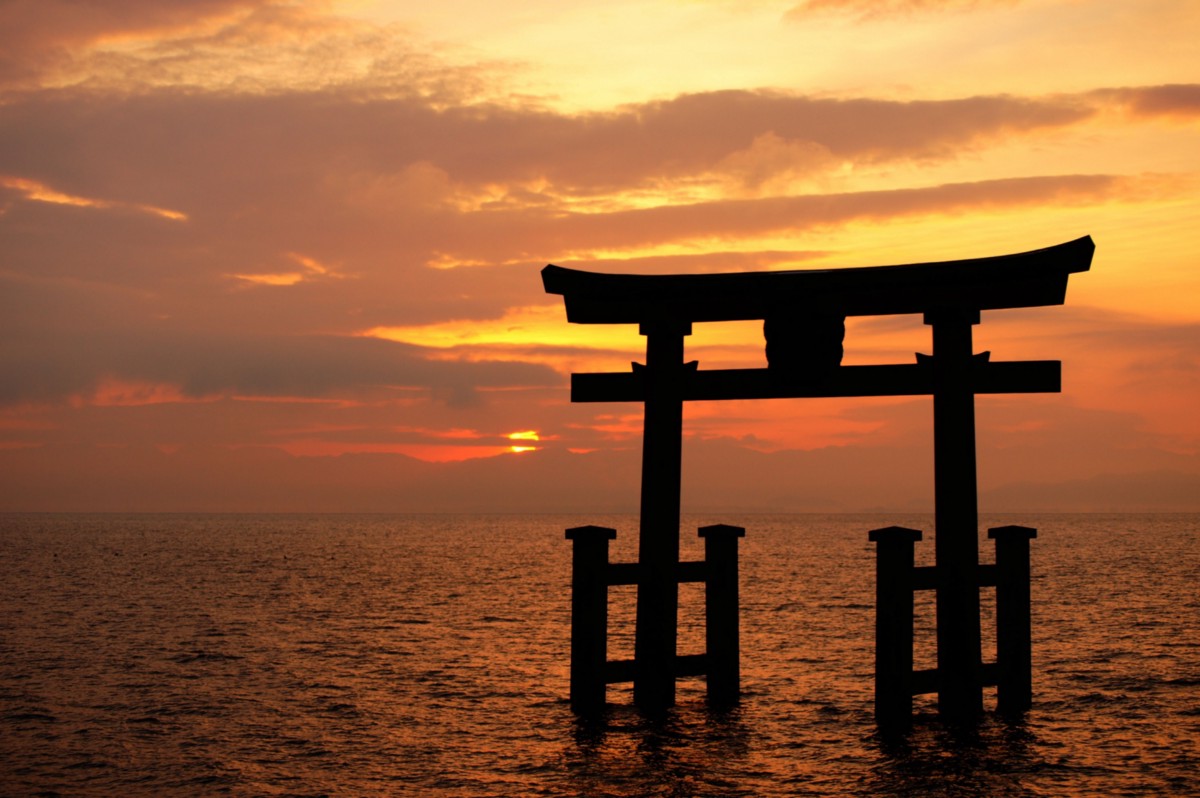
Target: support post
(959,665)
(721,632)
(589,616)
(1014,647)
(894,560)
(658,542)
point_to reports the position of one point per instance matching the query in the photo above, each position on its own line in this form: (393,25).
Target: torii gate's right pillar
(956,542)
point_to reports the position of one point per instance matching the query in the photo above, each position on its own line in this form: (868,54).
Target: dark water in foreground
(427,655)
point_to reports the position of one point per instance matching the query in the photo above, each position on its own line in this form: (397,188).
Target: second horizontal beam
(900,379)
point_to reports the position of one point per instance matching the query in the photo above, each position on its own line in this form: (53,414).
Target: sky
(284,255)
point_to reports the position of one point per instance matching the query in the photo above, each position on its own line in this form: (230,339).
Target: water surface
(427,655)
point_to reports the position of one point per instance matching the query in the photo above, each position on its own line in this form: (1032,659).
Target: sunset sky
(261,255)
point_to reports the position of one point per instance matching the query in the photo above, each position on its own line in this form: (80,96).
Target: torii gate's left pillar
(959,670)
(658,540)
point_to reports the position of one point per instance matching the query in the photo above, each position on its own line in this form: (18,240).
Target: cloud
(737,131)
(1176,101)
(38,192)
(39,35)
(213,141)
(876,9)
(718,261)
(45,23)
(52,366)
(352,181)
(222,153)
(726,220)
(310,269)
(254,47)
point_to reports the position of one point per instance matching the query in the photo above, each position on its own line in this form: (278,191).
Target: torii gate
(804,324)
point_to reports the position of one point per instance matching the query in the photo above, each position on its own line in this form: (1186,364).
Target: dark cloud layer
(1177,100)
(63,340)
(214,364)
(211,144)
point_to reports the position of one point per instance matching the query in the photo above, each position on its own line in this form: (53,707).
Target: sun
(525,436)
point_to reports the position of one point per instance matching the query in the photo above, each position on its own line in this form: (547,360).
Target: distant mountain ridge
(718,475)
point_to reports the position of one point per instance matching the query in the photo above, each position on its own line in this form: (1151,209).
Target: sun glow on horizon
(523,435)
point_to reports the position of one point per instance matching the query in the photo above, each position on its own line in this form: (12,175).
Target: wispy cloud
(875,9)
(39,192)
(252,47)
(311,269)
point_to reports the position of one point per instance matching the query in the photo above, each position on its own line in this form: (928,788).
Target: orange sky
(268,255)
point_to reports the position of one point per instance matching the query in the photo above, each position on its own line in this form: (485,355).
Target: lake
(308,655)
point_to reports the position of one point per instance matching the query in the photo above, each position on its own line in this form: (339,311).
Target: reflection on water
(693,751)
(354,655)
(993,758)
(688,752)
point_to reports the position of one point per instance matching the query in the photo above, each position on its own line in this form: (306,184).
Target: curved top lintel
(1025,279)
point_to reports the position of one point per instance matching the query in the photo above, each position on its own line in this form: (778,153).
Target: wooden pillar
(893,624)
(589,616)
(721,632)
(960,687)
(658,542)
(1014,647)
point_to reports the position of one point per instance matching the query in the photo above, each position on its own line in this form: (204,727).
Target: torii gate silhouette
(804,324)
